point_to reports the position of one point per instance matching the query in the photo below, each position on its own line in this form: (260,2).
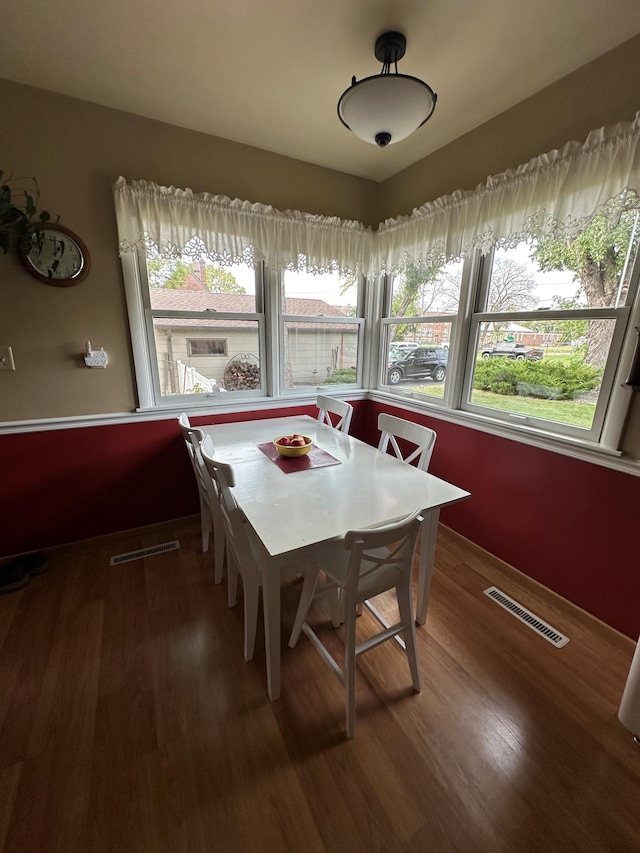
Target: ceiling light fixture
(387,107)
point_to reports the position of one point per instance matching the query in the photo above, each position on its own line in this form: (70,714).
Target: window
(321,330)
(546,338)
(513,304)
(228,297)
(187,301)
(206,346)
(422,305)
(540,316)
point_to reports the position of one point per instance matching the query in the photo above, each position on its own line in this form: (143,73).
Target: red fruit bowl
(295,449)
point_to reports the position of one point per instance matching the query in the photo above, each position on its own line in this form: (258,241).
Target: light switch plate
(6,359)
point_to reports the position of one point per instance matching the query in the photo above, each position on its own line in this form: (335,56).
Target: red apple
(284,441)
(298,442)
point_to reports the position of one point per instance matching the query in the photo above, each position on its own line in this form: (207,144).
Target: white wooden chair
(422,437)
(362,565)
(244,549)
(342,411)
(210,520)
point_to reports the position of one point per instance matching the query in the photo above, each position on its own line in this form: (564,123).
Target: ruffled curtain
(558,193)
(176,222)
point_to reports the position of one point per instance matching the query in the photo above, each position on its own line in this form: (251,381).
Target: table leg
(271,605)
(427,557)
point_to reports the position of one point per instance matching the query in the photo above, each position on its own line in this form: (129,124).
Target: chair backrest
(328,406)
(380,556)
(220,481)
(392,428)
(192,437)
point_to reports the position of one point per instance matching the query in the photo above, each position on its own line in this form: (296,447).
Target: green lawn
(571,412)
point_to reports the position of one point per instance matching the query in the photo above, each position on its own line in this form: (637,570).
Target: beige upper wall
(76,150)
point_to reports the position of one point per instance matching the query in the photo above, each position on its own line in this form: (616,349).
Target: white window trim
(619,315)
(268,288)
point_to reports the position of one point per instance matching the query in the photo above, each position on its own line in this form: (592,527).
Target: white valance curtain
(176,222)
(557,193)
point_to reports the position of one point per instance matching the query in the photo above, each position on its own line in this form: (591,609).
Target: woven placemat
(315,458)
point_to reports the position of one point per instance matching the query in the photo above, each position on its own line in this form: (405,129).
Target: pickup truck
(517,351)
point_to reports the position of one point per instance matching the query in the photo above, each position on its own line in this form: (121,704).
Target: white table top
(289,511)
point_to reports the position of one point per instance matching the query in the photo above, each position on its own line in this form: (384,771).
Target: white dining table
(289,511)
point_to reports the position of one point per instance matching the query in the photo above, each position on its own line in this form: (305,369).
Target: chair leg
(335,607)
(218,550)
(308,589)
(232,581)
(251,593)
(205,524)
(350,670)
(403,594)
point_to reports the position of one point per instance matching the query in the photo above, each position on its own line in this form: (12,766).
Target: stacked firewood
(241,376)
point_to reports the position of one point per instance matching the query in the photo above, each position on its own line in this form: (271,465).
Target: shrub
(544,380)
(344,376)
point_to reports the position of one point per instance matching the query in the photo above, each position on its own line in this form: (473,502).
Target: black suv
(418,363)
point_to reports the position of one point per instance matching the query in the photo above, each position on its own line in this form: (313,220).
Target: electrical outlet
(6,359)
(96,358)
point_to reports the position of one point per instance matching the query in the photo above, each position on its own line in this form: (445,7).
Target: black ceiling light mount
(387,107)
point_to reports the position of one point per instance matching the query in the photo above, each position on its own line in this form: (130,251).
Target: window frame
(620,317)
(386,322)
(270,323)
(141,316)
(614,398)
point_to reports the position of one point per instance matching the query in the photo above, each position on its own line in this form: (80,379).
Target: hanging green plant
(19,199)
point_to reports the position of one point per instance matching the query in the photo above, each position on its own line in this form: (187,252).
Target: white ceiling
(269,73)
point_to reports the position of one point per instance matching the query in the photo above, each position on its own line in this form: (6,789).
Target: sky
(328,286)
(548,284)
(303,285)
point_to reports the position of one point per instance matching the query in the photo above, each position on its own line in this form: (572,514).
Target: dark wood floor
(129,721)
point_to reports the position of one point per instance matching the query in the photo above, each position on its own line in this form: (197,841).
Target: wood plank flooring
(130,722)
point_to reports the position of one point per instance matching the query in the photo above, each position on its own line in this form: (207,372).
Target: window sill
(160,413)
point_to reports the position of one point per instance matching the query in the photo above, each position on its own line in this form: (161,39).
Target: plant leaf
(29,205)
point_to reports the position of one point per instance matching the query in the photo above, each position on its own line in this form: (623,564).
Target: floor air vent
(527,617)
(144,552)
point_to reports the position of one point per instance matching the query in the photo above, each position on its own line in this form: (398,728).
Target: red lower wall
(61,486)
(566,523)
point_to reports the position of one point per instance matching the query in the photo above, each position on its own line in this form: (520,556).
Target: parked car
(430,362)
(517,351)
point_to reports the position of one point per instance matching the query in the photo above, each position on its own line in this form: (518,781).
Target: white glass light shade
(393,104)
